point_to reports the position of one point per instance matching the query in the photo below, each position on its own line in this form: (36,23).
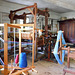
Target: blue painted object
(23,60)
(57,46)
(2,63)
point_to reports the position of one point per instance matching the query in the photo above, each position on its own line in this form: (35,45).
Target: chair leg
(68,58)
(68,62)
(64,73)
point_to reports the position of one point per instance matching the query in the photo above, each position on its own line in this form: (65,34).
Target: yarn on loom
(23,60)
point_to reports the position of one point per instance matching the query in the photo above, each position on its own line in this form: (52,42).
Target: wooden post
(5,49)
(24,18)
(68,59)
(19,42)
(49,51)
(33,48)
(61,46)
(35,7)
(46,22)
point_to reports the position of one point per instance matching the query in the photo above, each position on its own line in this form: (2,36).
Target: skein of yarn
(17,59)
(23,60)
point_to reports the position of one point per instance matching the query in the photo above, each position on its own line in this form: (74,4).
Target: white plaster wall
(0,17)
(69,15)
(54,15)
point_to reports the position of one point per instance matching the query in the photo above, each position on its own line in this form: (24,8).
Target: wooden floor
(49,68)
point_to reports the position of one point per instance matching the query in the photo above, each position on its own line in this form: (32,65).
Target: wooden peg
(11,64)
(34,70)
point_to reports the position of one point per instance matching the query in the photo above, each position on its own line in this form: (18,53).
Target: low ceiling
(59,6)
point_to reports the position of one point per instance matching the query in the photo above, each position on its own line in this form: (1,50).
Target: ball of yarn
(23,60)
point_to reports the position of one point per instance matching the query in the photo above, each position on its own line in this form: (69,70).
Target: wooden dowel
(34,70)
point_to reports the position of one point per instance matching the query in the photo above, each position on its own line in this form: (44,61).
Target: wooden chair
(69,69)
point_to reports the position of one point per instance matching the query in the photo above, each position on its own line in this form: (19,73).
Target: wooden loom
(6,67)
(13,16)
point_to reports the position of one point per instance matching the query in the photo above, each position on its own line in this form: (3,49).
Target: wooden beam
(18,16)
(35,7)
(33,49)
(9,67)
(71,49)
(20,71)
(26,29)
(24,21)
(46,23)
(23,24)
(13,26)
(35,12)
(30,11)
(5,49)
(42,12)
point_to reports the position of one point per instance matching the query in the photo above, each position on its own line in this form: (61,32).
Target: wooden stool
(69,70)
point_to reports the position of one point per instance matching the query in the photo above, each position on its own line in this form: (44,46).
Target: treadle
(69,70)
